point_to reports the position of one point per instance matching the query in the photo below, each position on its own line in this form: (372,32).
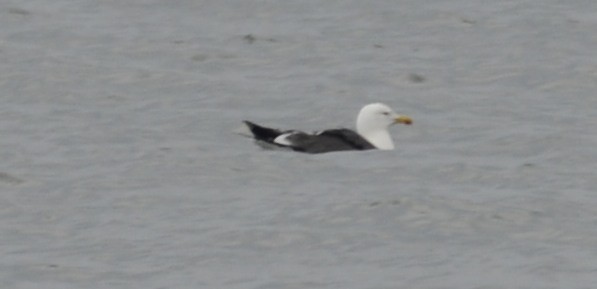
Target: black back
(326,141)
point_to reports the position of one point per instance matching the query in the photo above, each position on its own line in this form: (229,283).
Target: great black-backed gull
(373,122)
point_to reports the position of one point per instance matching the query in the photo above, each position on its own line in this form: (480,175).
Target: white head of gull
(373,122)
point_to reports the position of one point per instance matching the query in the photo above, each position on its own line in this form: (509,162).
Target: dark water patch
(199,57)
(390,202)
(18,11)
(250,39)
(7,178)
(416,78)
(467,21)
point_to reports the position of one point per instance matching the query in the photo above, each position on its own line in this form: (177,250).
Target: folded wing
(322,142)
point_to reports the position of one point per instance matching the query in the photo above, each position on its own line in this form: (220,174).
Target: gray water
(120,167)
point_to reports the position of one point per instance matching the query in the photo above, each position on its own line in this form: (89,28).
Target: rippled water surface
(120,167)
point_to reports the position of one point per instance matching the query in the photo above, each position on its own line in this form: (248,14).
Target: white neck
(380,138)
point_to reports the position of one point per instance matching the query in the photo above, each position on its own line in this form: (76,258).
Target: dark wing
(349,137)
(262,133)
(328,141)
(265,137)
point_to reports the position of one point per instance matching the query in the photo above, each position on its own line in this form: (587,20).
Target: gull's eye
(385,113)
